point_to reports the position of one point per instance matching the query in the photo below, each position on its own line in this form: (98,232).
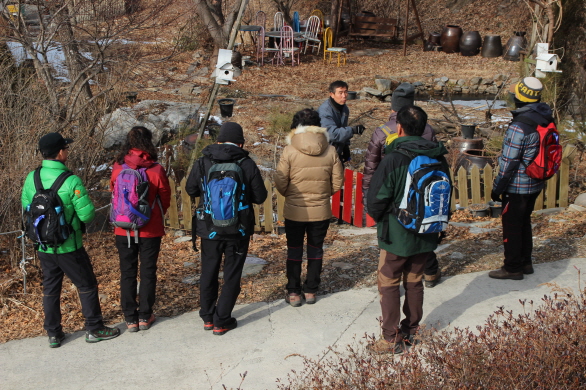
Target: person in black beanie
(216,311)
(403,96)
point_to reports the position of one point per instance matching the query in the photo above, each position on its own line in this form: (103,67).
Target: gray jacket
(337,125)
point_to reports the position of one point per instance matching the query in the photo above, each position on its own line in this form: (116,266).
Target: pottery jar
(512,50)
(470,43)
(475,157)
(462,144)
(450,39)
(492,46)
(435,37)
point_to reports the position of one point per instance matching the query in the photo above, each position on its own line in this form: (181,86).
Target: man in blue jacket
(334,115)
(517,190)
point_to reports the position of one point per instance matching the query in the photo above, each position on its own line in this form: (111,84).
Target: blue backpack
(425,206)
(224,207)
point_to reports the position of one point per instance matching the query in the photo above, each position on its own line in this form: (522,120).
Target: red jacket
(158,185)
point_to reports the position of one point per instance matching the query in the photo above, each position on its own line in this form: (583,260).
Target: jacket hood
(137,158)
(418,145)
(224,152)
(542,109)
(310,140)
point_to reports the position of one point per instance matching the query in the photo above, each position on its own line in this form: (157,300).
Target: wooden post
(475,184)
(268,207)
(405,25)
(173,215)
(463,187)
(280,207)
(487,182)
(185,205)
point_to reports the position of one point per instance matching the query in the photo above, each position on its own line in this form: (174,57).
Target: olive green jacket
(76,202)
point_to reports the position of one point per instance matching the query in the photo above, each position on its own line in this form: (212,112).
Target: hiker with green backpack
(56,205)
(382,136)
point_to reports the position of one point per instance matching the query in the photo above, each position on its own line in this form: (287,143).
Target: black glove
(495,197)
(358,129)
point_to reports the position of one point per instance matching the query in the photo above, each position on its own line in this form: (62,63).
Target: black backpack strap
(60,180)
(37,178)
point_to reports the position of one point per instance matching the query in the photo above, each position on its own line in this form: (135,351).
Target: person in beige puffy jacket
(308,174)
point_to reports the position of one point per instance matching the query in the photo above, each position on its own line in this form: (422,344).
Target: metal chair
(311,34)
(287,46)
(320,15)
(260,19)
(261,49)
(328,39)
(278,21)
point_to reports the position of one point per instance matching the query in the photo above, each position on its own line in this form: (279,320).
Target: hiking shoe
(208,325)
(293,299)
(104,333)
(528,269)
(504,274)
(132,326)
(410,339)
(55,341)
(381,346)
(310,298)
(432,280)
(146,324)
(221,330)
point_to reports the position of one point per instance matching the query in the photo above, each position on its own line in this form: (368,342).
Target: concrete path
(176,353)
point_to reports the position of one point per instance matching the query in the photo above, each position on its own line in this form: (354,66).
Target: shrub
(543,348)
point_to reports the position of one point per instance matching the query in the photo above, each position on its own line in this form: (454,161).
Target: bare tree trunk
(336,4)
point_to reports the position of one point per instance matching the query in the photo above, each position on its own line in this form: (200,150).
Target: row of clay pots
(453,40)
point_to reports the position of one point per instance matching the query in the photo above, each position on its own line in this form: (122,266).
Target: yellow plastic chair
(328,49)
(320,15)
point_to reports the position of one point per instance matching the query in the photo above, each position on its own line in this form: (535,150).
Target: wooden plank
(454,190)
(565,175)
(551,192)
(488,179)
(280,207)
(185,205)
(475,185)
(463,187)
(358,201)
(539,201)
(268,207)
(256,208)
(348,192)
(173,217)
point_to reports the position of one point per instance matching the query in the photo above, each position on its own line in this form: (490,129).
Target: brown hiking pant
(391,269)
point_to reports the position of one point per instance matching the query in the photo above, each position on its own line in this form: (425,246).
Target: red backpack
(549,157)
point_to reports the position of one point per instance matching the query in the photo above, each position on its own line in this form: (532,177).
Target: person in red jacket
(139,152)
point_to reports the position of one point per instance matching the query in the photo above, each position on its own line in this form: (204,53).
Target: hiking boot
(132,326)
(55,341)
(381,346)
(221,330)
(504,274)
(310,298)
(146,324)
(528,269)
(410,339)
(104,333)
(432,280)
(208,325)
(293,299)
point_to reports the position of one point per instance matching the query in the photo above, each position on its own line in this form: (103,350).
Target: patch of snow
(263,168)
(101,167)
(256,143)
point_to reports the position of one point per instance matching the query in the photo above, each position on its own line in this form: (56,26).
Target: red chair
(287,46)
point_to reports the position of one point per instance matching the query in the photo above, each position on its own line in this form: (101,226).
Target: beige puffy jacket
(308,174)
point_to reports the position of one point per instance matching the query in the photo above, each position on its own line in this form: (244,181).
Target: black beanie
(231,132)
(403,96)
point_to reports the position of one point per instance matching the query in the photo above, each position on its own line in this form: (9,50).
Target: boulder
(372,91)
(161,117)
(475,80)
(461,82)
(493,89)
(383,84)
(581,200)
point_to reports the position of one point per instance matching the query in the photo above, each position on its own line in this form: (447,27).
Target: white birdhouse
(225,71)
(545,61)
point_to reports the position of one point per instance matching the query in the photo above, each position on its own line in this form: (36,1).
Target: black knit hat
(52,143)
(231,132)
(403,96)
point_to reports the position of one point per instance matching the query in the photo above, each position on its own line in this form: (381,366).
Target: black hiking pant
(147,250)
(517,232)
(78,268)
(213,308)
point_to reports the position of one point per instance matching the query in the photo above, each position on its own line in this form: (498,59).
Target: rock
(189,264)
(103,297)
(388,98)
(475,80)
(438,87)
(575,207)
(193,279)
(500,77)
(186,89)
(437,80)
(383,84)
(203,72)
(461,82)
(581,200)
(487,81)
(457,89)
(473,88)
(482,88)
(444,79)
(457,255)
(251,269)
(551,211)
(160,117)
(372,91)
(387,92)
(555,220)
(255,260)
(153,89)
(179,233)
(182,239)
(465,90)
(492,89)
(342,265)
(417,84)
(192,68)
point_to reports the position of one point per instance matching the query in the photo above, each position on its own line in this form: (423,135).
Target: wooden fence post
(475,184)
(185,205)
(268,207)
(463,187)
(173,213)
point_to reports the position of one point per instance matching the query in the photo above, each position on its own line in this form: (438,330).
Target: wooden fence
(469,188)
